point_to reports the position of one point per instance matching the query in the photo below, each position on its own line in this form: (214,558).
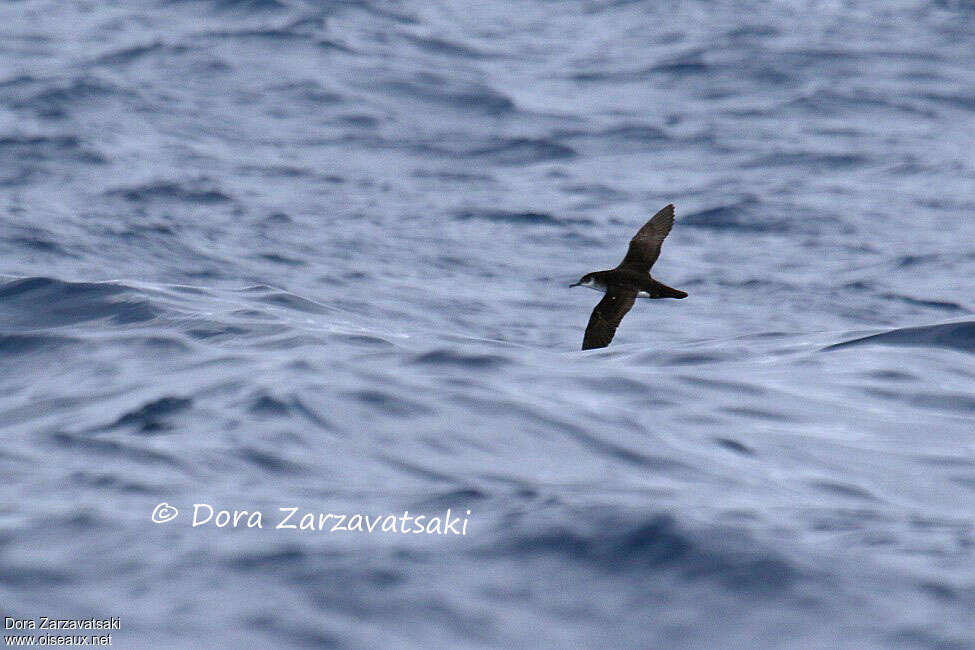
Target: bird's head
(588,280)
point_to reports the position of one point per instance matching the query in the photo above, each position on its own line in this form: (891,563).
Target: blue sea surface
(315,254)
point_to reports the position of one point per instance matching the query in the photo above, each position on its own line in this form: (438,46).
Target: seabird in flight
(628,281)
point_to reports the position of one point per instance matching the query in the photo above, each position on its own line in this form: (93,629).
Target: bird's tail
(670,292)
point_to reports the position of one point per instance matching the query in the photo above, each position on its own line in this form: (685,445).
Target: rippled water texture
(273,253)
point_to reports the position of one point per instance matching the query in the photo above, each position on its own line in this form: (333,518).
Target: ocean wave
(950,336)
(16,150)
(40,303)
(441,89)
(197,191)
(656,544)
(508,151)
(133,53)
(153,416)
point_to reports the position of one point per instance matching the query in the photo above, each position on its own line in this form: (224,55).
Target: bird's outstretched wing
(606,317)
(645,245)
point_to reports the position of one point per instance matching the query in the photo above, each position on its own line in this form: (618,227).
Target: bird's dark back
(625,278)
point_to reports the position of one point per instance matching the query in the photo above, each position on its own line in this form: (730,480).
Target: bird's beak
(575,285)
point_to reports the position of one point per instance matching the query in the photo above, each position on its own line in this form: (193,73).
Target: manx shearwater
(628,281)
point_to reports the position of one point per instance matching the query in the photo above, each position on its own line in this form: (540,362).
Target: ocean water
(315,254)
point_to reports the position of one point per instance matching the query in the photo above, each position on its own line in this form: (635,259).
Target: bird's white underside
(592,284)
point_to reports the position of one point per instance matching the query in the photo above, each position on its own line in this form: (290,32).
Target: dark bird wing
(645,245)
(606,317)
